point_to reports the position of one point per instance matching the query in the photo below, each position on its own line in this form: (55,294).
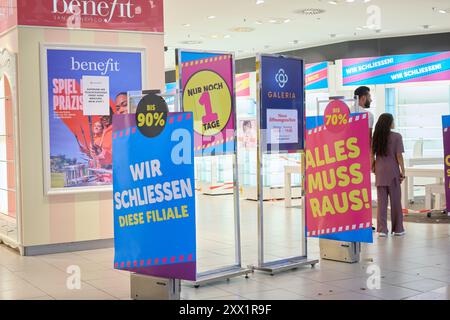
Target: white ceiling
(344,20)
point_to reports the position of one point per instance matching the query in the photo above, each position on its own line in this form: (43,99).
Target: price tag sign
(151,115)
(337,114)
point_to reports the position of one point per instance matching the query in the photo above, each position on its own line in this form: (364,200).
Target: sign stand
(340,251)
(282,265)
(235,270)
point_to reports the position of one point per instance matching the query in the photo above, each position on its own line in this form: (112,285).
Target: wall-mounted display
(78,141)
(396,69)
(130,15)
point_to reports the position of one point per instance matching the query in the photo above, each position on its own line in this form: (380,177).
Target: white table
(288,172)
(411,162)
(423,172)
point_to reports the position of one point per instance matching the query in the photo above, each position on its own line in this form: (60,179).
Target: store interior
(42,234)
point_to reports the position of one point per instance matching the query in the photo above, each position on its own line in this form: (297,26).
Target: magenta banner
(207,86)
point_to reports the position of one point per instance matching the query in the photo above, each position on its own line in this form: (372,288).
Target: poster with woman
(78,137)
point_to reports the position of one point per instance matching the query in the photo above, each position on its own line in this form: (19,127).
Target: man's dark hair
(362,91)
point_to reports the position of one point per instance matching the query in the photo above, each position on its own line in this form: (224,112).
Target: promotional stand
(349,252)
(196,72)
(279,76)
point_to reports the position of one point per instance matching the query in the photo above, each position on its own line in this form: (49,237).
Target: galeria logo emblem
(281,78)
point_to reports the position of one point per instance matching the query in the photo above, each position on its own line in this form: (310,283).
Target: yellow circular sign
(208,96)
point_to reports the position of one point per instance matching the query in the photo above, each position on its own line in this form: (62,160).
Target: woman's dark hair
(381,135)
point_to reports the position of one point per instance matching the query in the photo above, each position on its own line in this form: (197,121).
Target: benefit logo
(104,10)
(131,15)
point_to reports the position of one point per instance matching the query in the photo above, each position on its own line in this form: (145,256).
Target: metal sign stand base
(145,287)
(220,274)
(285,265)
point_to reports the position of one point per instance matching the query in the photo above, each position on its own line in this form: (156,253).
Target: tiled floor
(416,266)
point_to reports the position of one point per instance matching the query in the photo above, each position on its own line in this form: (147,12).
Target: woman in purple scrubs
(389,168)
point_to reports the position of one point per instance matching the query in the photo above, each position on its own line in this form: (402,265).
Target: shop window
(419,112)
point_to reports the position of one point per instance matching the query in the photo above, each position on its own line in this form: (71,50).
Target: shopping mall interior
(65,233)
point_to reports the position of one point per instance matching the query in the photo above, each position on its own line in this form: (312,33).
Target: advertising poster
(316,76)
(80,133)
(282,103)
(207,90)
(396,69)
(338,182)
(446,132)
(130,15)
(243,85)
(154,197)
(247,137)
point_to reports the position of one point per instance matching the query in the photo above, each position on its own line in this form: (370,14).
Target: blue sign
(404,68)
(154,198)
(282,103)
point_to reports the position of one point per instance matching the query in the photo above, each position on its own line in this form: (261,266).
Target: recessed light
(259,2)
(227,36)
(443,11)
(186,25)
(191,42)
(242,29)
(310,11)
(212,17)
(258,22)
(287,20)
(332,2)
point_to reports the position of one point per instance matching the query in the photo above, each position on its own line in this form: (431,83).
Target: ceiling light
(332,2)
(191,42)
(359,28)
(212,17)
(259,2)
(287,20)
(258,22)
(186,25)
(227,36)
(443,11)
(242,29)
(310,11)
(350,1)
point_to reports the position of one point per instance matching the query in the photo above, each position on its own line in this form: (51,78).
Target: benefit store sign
(129,15)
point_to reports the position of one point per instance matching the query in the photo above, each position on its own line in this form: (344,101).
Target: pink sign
(207,85)
(338,187)
(8,14)
(130,15)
